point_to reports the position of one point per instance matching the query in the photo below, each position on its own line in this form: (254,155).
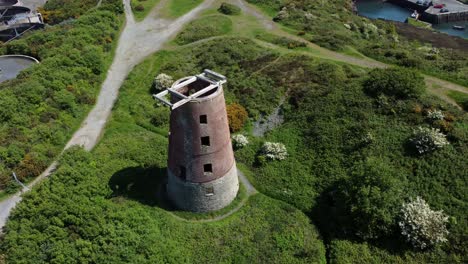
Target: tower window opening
(203,119)
(209,191)
(208,168)
(183,172)
(205,141)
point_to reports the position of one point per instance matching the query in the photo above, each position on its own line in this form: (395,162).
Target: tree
(422,226)
(229,9)
(237,116)
(399,82)
(370,198)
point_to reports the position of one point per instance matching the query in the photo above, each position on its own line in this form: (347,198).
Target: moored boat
(458,27)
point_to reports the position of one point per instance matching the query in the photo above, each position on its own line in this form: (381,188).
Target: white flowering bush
(283,14)
(239,141)
(162,82)
(428,139)
(421,226)
(435,115)
(274,151)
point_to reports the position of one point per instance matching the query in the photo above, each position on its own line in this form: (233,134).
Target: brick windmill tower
(202,174)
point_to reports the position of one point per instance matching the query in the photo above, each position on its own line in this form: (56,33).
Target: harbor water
(379,9)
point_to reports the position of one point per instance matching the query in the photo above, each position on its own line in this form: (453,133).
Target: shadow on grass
(334,222)
(145,185)
(148,186)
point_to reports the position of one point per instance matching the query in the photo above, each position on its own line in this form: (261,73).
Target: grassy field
(418,23)
(141,8)
(204,27)
(177,8)
(460,98)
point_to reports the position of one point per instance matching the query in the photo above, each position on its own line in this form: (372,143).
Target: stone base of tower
(203,197)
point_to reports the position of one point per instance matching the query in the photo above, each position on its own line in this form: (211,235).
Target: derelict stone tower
(202,173)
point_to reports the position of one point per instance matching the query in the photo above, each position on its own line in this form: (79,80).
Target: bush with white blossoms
(274,151)
(162,82)
(239,141)
(422,226)
(435,115)
(428,139)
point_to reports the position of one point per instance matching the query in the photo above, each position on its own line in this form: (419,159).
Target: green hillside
(355,151)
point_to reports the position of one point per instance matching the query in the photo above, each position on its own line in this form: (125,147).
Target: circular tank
(202,173)
(12,65)
(8,2)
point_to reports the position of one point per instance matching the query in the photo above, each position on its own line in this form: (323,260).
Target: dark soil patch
(437,39)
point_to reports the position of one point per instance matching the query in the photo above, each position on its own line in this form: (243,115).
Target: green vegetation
(229,9)
(129,223)
(41,108)
(177,8)
(401,83)
(348,168)
(56,11)
(141,8)
(281,41)
(350,165)
(460,98)
(376,39)
(205,27)
(418,23)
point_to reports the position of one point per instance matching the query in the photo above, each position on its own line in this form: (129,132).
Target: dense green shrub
(56,11)
(371,196)
(398,82)
(229,9)
(42,107)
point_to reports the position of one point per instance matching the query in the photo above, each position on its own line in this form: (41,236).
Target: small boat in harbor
(458,27)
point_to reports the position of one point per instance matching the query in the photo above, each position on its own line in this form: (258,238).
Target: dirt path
(136,42)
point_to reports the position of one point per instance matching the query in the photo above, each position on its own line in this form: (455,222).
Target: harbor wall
(433,18)
(445,17)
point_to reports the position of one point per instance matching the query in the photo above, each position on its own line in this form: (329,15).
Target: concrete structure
(9,2)
(12,65)
(16,19)
(457,11)
(202,174)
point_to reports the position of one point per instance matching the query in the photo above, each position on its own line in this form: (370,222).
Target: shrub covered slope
(350,162)
(41,108)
